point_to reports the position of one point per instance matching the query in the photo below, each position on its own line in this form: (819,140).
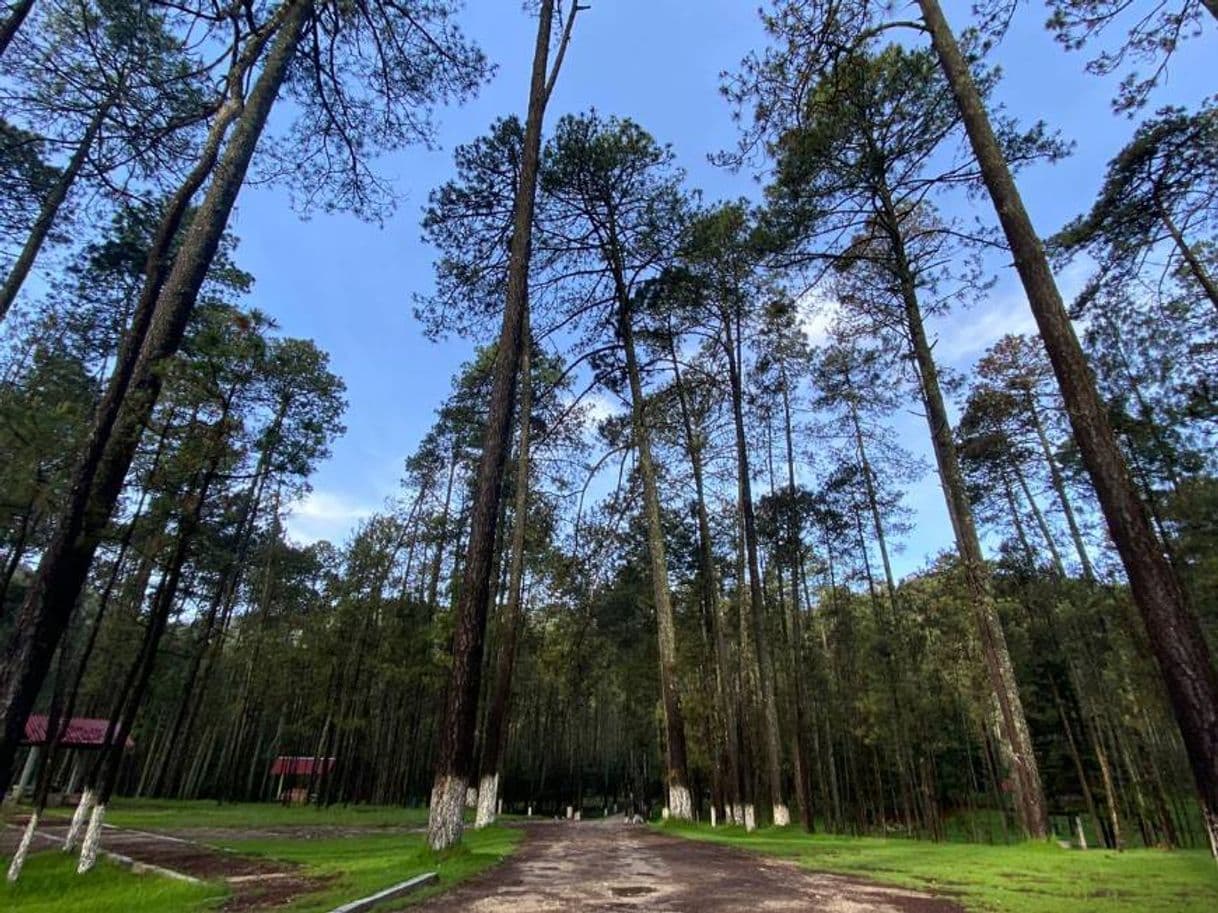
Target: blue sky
(348,285)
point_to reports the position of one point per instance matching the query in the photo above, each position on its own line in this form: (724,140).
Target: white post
(570,813)
(530,814)
(1078,828)
(714,817)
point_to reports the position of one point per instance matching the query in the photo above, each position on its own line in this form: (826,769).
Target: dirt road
(611,866)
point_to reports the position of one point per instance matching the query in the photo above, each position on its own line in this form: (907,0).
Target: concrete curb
(392,893)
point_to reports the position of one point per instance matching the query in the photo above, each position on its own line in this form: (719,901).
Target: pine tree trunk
(1012,723)
(1058,482)
(772,735)
(56,725)
(1173,628)
(16,16)
(496,727)
(162,605)
(892,625)
(709,585)
(1021,533)
(156,331)
(828,756)
(229,579)
(455,759)
(1042,525)
(803,772)
(12,560)
(49,211)
(680,802)
(1195,267)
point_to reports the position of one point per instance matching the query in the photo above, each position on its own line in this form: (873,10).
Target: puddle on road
(630,891)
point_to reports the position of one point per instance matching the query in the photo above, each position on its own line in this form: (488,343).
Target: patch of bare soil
(610,867)
(256,884)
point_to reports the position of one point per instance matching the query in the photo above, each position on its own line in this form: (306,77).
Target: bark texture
(455,758)
(494,735)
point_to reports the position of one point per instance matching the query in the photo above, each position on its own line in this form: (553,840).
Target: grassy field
(1023,878)
(350,866)
(49,884)
(162,814)
(364,865)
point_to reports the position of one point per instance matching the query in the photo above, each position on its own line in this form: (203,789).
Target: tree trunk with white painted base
(762,657)
(455,758)
(495,729)
(84,808)
(680,803)
(488,796)
(23,848)
(92,842)
(445,812)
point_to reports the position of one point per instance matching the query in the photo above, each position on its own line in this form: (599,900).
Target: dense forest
(646,557)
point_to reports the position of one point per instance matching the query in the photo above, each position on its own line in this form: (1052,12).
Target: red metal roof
(80,732)
(285,765)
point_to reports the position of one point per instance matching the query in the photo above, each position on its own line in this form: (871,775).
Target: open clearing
(611,866)
(247,858)
(268,858)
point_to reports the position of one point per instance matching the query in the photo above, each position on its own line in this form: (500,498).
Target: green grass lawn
(360,866)
(351,866)
(1022,878)
(166,814)
(49,884)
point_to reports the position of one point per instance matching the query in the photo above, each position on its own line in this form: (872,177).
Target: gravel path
(611,866)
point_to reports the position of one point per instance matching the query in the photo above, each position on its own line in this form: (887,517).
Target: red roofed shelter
(300,768)
(77,734)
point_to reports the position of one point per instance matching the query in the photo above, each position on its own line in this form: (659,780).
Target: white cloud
(965,334)
(600,406)
(320,514)
(817,315)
